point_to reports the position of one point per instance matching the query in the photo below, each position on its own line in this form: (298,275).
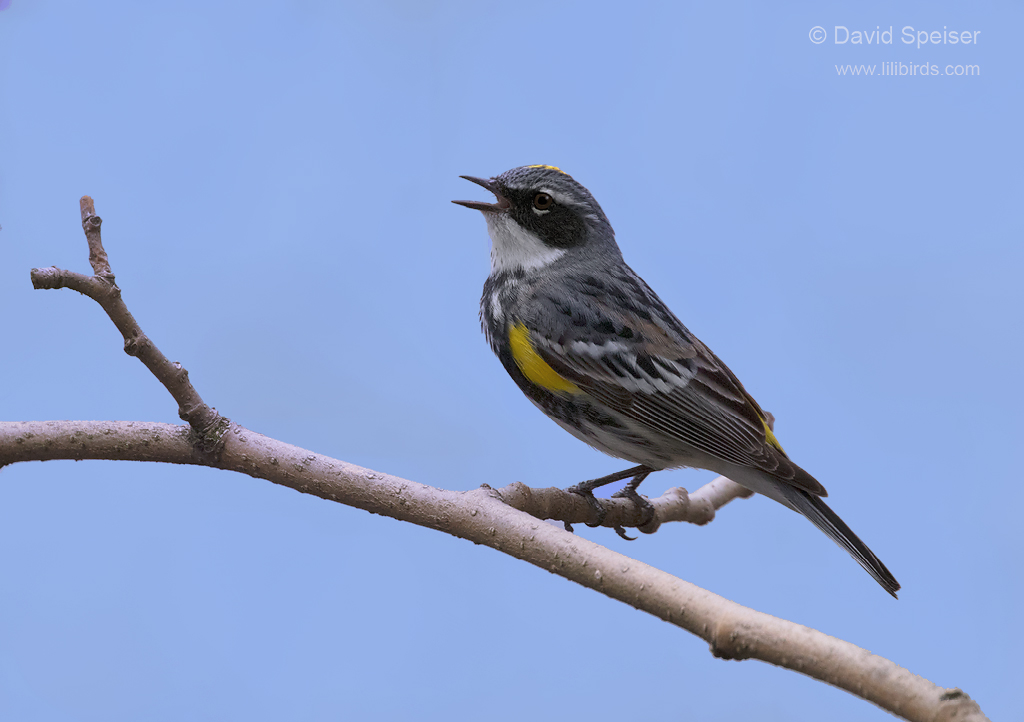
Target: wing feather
(628,351)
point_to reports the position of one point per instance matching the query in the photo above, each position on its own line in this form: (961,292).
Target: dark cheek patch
(558,228)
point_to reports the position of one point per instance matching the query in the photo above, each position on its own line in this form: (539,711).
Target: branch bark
(504,519)
(732,630)
(674,505)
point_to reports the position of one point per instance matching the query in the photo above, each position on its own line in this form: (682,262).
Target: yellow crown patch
(549,167)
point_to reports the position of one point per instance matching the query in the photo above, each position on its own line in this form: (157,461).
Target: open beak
(500,206)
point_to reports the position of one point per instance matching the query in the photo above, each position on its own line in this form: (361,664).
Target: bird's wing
(624,347)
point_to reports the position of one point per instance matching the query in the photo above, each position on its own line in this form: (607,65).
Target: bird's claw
(641,502)
(588,494)
(622,533)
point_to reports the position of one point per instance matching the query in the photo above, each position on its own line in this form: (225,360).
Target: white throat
(513,247)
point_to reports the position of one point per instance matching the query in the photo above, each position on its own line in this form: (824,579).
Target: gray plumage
(589,342)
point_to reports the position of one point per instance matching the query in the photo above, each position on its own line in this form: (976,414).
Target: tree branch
(494,518)
(206,423)
(674,505)
(732,630)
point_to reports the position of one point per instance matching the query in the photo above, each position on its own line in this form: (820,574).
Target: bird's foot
(635,475)
(646,507)
(587,492)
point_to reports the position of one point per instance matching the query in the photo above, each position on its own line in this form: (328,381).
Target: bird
(592,346)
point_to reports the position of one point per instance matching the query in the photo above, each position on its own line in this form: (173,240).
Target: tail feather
(829,522)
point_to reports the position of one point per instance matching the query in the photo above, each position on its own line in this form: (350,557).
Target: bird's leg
(629,492)
(586,490)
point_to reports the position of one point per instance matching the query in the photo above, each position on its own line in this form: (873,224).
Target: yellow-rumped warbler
(595,349)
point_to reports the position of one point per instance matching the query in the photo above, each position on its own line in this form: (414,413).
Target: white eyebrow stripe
(560,198)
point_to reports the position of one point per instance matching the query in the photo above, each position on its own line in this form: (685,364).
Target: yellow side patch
(549,167)
(533,366)
(769,436)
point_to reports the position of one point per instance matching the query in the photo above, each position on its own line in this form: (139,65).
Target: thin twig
(674,505)
(208,425)
(91,224)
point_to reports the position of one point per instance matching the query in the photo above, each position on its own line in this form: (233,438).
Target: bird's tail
(829,522)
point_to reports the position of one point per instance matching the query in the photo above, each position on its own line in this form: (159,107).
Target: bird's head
(540,214)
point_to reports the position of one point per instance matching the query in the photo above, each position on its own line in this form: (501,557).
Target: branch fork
(207,425)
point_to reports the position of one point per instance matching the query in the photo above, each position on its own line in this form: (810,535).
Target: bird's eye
(542,201)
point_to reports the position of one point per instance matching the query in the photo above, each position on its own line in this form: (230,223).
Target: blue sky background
(275,179)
